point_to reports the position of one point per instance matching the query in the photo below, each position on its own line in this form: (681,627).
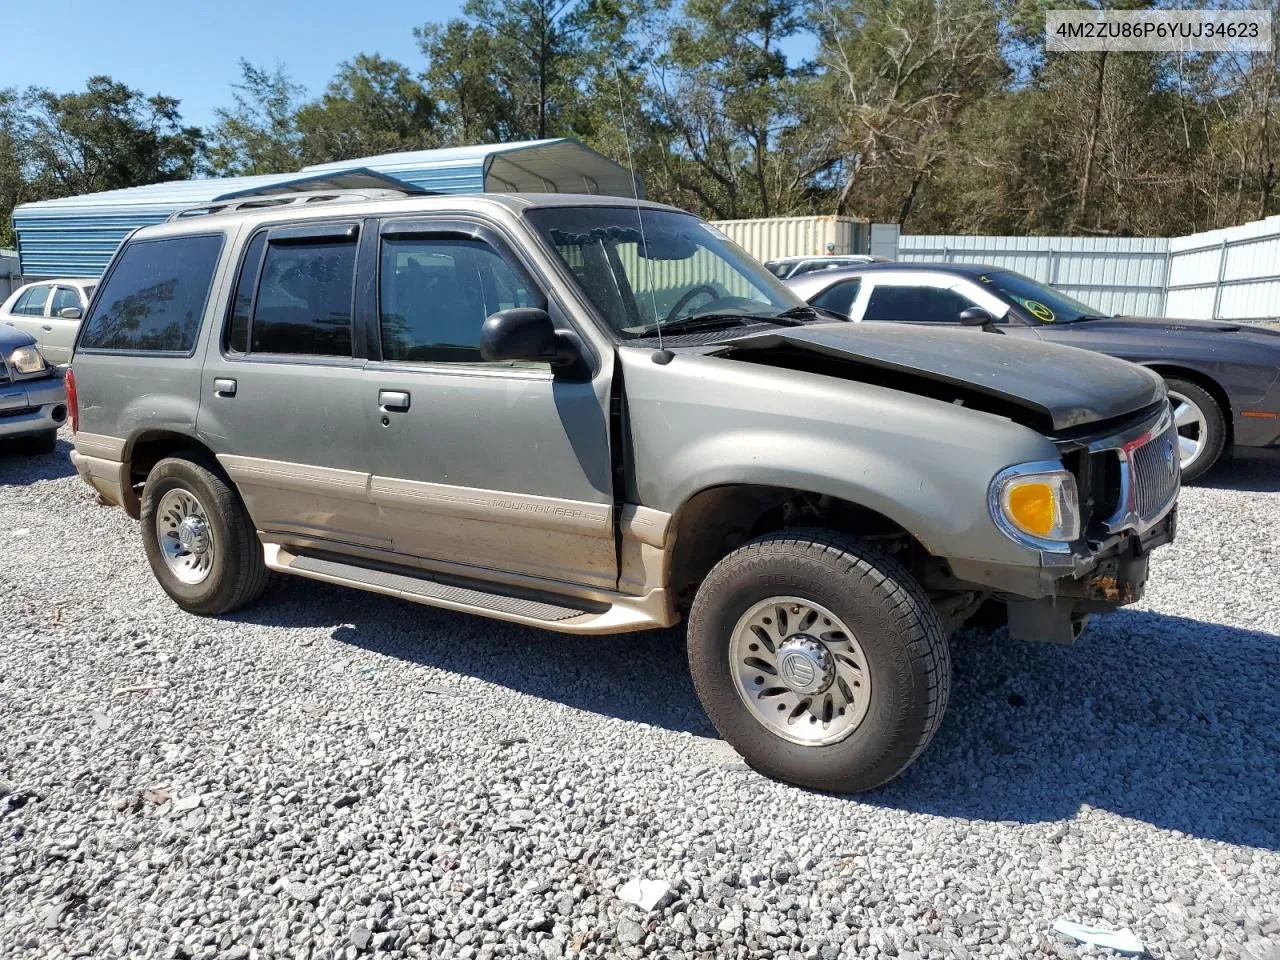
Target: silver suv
(596,415)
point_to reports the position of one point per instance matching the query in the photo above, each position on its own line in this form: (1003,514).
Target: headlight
(26,360)
(1036,504)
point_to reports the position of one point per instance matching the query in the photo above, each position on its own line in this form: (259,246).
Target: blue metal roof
(76,236)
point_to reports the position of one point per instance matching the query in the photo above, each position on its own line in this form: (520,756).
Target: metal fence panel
(1114,274)
(1228,274)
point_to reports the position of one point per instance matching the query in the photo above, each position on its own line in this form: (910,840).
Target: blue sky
(191,50)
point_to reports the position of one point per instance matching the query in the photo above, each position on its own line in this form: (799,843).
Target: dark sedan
(1223,378)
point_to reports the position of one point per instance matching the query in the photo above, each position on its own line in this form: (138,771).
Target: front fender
(700,422)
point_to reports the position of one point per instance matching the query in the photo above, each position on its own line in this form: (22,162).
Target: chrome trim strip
(1125,445)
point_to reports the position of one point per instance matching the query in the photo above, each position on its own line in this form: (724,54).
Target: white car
(784,268)
(50,311)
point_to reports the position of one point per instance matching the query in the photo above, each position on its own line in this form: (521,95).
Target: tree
(105,138)
(897,80)
(725,97)
(373,105)
(259,134)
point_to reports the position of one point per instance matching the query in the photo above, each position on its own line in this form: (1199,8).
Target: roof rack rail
(357,183)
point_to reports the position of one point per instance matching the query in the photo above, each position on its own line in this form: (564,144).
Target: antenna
(631,170)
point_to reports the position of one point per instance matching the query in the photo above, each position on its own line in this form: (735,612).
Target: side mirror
(71,313)
(522,333)
(978,317)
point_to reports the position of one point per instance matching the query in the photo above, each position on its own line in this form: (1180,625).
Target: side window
(31,303)
(435,293)
(64,297)
(914,304)
(839,297)
(155,296)
(303,303)
(242,302)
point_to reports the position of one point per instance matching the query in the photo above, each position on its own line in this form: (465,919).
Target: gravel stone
(1128,782)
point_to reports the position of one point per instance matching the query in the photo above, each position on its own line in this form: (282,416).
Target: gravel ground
(335,774)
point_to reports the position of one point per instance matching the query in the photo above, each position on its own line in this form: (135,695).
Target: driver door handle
(393,401)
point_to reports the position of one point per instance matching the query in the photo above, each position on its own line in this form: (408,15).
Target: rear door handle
(45,327)
(224,387)
(393,401)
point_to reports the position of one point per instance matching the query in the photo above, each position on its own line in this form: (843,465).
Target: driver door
(504,467)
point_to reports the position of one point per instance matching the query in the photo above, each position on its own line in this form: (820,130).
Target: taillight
(73,400)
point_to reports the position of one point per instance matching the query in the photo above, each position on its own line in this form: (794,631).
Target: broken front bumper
(1048,603)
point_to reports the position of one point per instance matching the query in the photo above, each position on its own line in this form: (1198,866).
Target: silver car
(596,415)
(50,311)
(33,399)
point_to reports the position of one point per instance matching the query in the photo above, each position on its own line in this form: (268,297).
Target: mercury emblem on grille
(1170,455)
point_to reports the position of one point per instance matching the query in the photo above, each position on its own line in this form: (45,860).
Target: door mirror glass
(70,313)
(521,333)
(975,317)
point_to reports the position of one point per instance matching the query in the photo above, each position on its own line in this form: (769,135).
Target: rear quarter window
(154,297)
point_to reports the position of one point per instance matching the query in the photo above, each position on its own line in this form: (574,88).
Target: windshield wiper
(709,321)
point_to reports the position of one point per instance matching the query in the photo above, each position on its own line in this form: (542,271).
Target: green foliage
(942,115)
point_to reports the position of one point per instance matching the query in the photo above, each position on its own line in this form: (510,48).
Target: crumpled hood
(1067,386)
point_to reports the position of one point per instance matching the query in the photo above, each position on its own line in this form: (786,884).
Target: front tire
(201,544)
(840,636)
(1202,427)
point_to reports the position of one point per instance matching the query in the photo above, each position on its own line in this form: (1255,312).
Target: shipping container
(774,237)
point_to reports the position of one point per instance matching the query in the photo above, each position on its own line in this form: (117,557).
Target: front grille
(1156,473)
(17,412)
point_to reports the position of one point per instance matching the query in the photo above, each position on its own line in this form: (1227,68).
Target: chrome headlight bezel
(26,361)
(1066,498)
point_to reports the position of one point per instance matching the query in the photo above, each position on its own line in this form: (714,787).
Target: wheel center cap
(193,535)
(804,664)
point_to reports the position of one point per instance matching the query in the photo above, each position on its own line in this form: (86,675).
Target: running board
(564,614)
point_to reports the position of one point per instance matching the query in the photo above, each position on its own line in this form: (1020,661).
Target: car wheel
(819,659)
(1202,428)
(198,537)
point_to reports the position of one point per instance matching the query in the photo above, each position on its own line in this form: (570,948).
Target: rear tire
(1202,426)
(201,544)
(836,586)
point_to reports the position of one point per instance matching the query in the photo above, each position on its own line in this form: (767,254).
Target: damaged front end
(1128,482)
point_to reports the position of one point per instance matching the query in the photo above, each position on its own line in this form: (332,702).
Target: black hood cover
(1066,386)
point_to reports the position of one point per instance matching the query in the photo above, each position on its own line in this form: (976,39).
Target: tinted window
(32,302)
(155,296)
(434,295)
(242,302)
(65,297)
(304,299)
(915,304)
(839,297)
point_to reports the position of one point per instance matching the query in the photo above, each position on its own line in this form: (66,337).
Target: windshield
(1043,303)
(676,268)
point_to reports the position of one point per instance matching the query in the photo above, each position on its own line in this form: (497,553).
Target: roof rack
(356,183)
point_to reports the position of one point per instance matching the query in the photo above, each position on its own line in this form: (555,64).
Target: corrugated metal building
(76,236)
(774,237)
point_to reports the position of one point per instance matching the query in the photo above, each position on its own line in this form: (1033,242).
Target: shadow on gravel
(1248,471)
(1162,719)
(18,468)
(639,677)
